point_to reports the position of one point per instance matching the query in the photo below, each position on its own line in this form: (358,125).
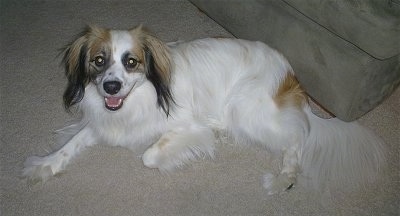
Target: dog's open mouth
(113,103)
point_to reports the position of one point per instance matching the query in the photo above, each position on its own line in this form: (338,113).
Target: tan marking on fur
(74,54)
(98,40)
(95,39)
(290,93)
(137,49)
(159,50)
(162,143)
(139,53)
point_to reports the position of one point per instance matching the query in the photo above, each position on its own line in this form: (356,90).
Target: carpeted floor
(113,181)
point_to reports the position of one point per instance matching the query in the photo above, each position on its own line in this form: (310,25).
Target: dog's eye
(99,61)
(131,63)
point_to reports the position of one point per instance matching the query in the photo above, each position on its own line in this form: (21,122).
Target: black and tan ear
(76,65)
(157,66)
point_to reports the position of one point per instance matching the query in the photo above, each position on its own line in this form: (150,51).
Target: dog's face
(117,62)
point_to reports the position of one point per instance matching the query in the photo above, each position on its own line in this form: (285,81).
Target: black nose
(112,87)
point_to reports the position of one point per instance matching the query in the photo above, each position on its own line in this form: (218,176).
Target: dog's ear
(157,66)
(76,65)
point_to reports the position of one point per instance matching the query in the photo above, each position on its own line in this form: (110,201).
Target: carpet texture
(113,181)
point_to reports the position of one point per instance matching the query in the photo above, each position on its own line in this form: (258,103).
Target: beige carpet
(113,181)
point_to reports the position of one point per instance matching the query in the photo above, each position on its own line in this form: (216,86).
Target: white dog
(135,91)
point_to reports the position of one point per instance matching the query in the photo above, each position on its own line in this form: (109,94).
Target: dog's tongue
(113,103)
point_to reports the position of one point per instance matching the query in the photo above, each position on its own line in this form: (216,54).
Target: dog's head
(117,62)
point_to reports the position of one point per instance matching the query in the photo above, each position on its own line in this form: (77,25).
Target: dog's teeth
(113,103)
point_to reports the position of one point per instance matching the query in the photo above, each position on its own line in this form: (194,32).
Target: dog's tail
(340,153)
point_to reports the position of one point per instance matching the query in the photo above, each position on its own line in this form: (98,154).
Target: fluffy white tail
(339,153)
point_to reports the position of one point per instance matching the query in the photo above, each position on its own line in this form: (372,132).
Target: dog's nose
(112,87)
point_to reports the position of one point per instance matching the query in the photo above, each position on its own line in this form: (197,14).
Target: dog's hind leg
(287,176)
(179,146)
(255,118)
(38,169)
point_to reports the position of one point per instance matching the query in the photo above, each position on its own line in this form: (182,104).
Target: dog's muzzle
(113,103)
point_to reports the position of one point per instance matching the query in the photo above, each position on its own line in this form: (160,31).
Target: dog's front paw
(278,184)
(169,158)
(151,158)
(155,158)
(176,149)
(37,169)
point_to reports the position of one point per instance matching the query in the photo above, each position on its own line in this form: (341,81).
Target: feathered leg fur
(41,168)
(179,146)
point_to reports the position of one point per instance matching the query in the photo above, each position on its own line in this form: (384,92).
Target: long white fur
(341,154)
(220,84)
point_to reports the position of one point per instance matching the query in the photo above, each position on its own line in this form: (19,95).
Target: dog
(135,91)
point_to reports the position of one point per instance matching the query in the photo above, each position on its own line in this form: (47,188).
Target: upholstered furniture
(346,53)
